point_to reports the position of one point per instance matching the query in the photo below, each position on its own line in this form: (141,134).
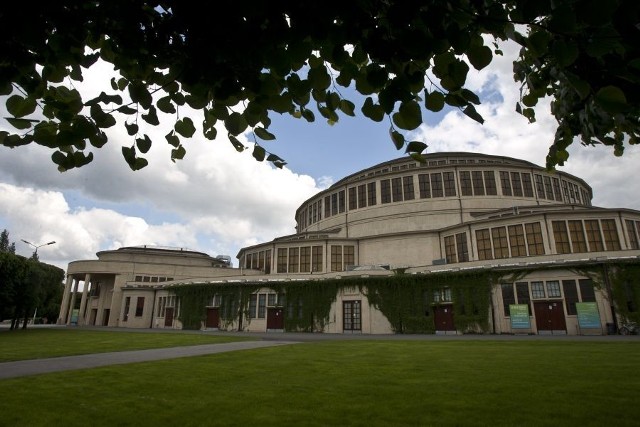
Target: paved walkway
(22,368)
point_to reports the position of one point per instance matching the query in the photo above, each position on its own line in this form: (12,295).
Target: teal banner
(588,315)
(519,316)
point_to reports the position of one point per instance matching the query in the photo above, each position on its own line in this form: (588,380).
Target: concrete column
(73,301)
(83,302)
(62,317)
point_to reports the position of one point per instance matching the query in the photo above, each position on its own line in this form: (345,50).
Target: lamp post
(35,253)
(35,257)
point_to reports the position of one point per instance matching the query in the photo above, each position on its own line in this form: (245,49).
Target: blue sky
(217,200)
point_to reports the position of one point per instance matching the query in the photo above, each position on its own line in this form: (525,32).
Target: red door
(168,316)
(443,318)
(213,317)
(550,316)
(275,318)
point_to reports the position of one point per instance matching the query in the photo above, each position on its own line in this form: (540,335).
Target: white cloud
(507,133)
(215,200)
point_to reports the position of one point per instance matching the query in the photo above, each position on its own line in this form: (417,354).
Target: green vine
(625,290)
(195,297)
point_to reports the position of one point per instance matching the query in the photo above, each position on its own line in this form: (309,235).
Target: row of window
(443,184)
(524,292)
(575,236)
(519,240)
(510,241)
(152,279)
(259,261)
(307,259)
(139,307)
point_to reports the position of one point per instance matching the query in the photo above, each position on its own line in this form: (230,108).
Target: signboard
(519,316)
(588,315)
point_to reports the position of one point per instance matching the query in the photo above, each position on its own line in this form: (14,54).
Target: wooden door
(550,316)
(275,318)
(213,317)
(168,316)
(443,318)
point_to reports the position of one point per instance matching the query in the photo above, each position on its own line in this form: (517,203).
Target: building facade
(474,243)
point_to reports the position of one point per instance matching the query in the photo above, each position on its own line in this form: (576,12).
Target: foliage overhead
(240,64)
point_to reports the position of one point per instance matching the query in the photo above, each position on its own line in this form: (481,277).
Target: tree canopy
(27,286)
(243,62)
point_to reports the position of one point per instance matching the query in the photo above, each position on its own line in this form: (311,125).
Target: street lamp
(35,253)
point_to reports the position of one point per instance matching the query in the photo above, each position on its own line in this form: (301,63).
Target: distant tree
(239,63)
(5,246)
(26,287)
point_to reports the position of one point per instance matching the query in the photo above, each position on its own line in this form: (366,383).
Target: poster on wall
(588,315)
(519,316)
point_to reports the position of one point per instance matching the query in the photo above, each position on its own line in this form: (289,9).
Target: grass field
(348,383)
(38,343)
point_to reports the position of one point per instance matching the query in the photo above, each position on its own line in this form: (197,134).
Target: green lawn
(348,383)
(38,343)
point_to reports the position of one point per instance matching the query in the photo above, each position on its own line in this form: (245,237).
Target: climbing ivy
(625,290)
(407,301)
(195,297)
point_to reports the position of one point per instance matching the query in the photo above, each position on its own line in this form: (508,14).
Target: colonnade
(69,300)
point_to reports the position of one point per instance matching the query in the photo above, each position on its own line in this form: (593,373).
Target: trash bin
(611,329)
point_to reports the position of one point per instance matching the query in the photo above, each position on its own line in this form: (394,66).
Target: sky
(218,201)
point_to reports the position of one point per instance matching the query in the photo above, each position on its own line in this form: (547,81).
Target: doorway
(352,316)
(443,318)
(550,317)
(213,318)
(275,319)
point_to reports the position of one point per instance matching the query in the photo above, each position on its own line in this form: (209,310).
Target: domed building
(462,243)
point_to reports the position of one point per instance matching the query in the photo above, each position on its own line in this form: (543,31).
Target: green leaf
(458,72)
(236,144)
(408,116)
(416,147)
(347,107)
(611,99)
(319,78)
(178,153)
(565,52)
(18,106)
(538,42)
(262,133)
(132,128)
(172,139)
(166,105)
(470,111)
(308,115)
(235,123)
(397,138)
(258,153)
(125,109)
(479,56)
(143,144)
(185,127)
(139,93)
(434,101)
(20,123)
(372,111)
(151,117)
(470,96)
(98,139)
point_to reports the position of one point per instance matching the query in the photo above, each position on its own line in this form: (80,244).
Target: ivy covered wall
(407,301)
